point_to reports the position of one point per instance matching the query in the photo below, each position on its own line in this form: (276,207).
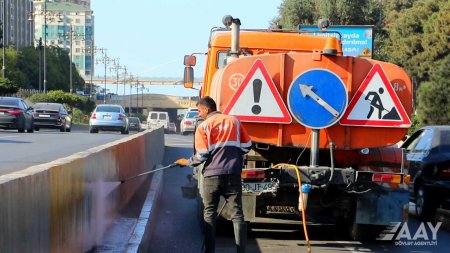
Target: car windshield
(192,114)
(445,141)
(9,102)
(162,116)
(47,107)
(108,108)
(154,116)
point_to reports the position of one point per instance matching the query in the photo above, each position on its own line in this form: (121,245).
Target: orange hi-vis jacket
(220,142)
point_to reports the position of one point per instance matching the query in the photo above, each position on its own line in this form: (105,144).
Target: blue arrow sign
(317,98)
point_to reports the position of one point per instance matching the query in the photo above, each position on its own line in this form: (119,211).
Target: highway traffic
(22,150)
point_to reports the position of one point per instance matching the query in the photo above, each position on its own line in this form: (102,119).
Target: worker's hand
(182,162)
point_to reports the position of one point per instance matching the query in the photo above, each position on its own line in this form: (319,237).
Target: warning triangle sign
(257,99)
(376,104)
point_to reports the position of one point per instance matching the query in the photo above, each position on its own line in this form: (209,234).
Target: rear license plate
(260,187)
(2,113)
(107,117)
(44,116)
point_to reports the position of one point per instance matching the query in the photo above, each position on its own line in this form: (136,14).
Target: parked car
(158,119)
(135,124)
(15,114)
(172,128)
(187,125)
(428,153)
(51,115)
(108,117)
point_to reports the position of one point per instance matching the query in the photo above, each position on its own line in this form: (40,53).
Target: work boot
(240,236)
(210,237)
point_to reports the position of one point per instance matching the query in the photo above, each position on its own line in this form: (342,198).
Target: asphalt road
(22,150)
(177,225)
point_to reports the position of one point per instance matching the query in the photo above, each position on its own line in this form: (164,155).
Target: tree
(419,34)
(434,96)
(296,12)
(7,87)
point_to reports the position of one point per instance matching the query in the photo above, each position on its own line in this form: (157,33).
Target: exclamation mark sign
(257,85)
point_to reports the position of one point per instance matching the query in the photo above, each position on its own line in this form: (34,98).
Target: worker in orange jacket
(220,142)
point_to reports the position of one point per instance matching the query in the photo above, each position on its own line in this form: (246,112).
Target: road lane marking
(9,136)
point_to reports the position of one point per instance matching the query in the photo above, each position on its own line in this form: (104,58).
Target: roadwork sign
(376,104)
(257,99)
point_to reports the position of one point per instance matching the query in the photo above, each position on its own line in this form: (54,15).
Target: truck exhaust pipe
(235,25)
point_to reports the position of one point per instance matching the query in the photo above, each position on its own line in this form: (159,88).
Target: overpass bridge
(143,103)
(112,80)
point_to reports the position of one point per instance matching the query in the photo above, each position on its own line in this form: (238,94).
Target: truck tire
(425,206)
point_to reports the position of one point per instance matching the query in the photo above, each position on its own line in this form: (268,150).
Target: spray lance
(149,172)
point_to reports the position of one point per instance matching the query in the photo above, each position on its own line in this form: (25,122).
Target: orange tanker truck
(324,126)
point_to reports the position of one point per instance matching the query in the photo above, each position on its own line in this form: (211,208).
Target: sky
(151,37)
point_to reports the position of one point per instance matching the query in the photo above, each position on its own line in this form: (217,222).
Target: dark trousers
(228,186)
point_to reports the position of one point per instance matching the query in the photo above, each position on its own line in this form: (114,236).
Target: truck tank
(285,68)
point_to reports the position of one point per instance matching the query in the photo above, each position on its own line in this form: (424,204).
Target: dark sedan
(428,153)
(15,114)
(134,124)
(51,115)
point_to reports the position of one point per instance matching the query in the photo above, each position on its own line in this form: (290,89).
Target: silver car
(187,125)
(108,117)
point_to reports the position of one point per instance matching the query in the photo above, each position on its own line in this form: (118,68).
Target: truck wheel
(425,206)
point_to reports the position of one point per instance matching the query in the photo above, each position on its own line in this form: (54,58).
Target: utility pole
(105,60)
(131,78)
(45,46)
(3,38)
(116,68)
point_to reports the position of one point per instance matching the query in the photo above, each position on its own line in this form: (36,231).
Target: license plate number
(2,113)
(259,187)
(107,117)
(44,116)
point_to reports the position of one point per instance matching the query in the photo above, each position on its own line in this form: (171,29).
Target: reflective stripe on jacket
(220,142)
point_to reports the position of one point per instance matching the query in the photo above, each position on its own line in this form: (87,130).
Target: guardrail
(66,205)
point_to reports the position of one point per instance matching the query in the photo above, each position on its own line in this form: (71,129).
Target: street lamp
(3,38)
(105,60)
(116,67)
(46,16)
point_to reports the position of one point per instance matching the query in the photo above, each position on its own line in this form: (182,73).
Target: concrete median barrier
(66,205)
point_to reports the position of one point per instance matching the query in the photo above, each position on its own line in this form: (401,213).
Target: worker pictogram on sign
(376,103)
(257,99)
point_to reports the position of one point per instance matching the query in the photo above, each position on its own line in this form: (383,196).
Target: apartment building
(14,16)
(79,2)
(69,26)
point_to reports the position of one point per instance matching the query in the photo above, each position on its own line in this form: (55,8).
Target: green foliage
(415,124)
(419,34)
(84,104)
(22,68)
(434,96)
(339,12)
(7,87)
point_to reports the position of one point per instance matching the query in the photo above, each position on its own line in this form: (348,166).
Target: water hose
(302,206)
(149,172)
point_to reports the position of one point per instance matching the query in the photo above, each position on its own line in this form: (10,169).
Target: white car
(157,119)
(108,117)
(187,125)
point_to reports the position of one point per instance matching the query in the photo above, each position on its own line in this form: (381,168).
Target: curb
(140,238)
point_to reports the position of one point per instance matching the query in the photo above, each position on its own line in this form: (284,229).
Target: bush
(7,87)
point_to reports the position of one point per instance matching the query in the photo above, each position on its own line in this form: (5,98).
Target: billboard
(356,40)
